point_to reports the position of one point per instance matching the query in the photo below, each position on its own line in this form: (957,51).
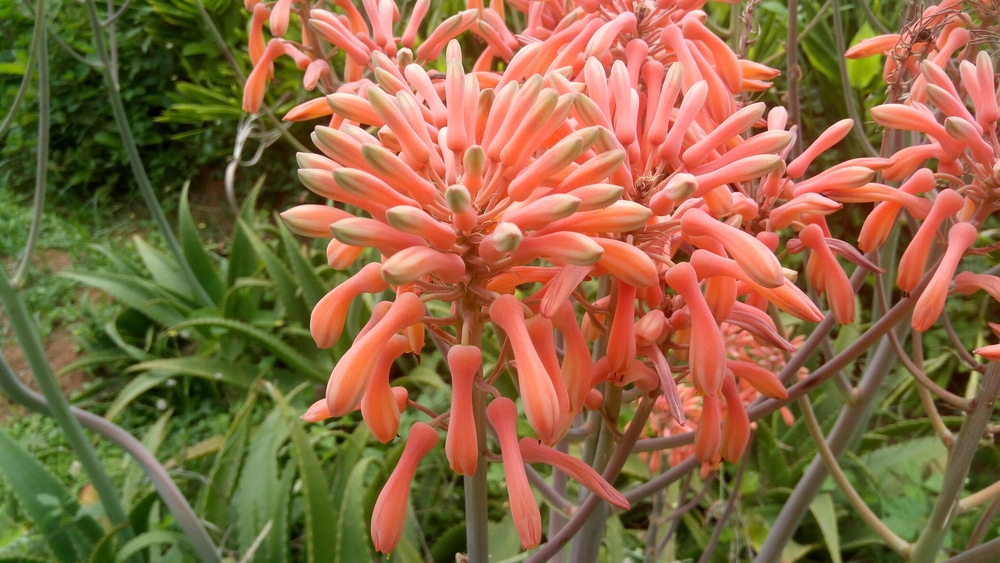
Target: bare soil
(60,346)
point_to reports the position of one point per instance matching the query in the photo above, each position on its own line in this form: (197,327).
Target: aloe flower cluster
(607,203)
(951,116)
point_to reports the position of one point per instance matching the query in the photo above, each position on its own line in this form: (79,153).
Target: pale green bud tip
(681,186)
(506,237)
(458,198)
(475,160)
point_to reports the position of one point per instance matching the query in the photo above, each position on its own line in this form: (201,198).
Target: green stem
(874,523)
(477,490)
(476,486)
(39,46)
(928,545)
(186,517)
(794,74)
(622,452)
(847,91)
(852,418)
(587,543)
(138,170)
(34,353)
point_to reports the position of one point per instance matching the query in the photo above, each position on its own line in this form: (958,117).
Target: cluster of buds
(952,113)
(607,190)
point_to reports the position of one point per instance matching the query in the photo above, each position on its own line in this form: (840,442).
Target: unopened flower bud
(506,237)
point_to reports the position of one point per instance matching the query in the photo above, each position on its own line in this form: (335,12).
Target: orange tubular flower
(378,406)
(757,261)
(328,316)
(708,435)
(389,514)
(462,443)
(992,352)
(353,372)
(621,339)
(914,259)
(253,94)
(533,452)
(541,403)
(502,414)
(707,355)
(576,364)
(839,293)
(931,302)
(736,423)
(879,222)
(967,283)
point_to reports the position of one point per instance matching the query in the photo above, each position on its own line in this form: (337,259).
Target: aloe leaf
(145,297)
(243,262)
(284,352)
(71,534)
(504,542)
(284,282)
(825,513)
(222,371)
(194,250)
(134,389)
(406,552)
(350,523)
(147,540)
(319,514)
(112,330)
(282,516)
(118,264)
(164,271)
(313,288)
(614,539)
(217,495)
(134,474)
(259,491)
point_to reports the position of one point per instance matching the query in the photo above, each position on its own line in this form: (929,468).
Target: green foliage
(64,237)
(263,292)
(70,532)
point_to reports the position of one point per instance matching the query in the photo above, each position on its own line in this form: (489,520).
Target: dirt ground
(60,346)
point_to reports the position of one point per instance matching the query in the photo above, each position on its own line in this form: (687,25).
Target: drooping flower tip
(389,515)
(502,414)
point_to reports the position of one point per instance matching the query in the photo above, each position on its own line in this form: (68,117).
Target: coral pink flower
(708,352)
(621,338)
(878,45)
(541,403)
(991,352)
(502,414)
(879,222)
(914,259)
(378,406)
(253,94)
(330,313)
(736,423)
(708,435)
(757,261)
(839,293)
(533,452)
(831,136)
(462,443)
(351,375)
(931,302)
(967,283)
(389,514)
